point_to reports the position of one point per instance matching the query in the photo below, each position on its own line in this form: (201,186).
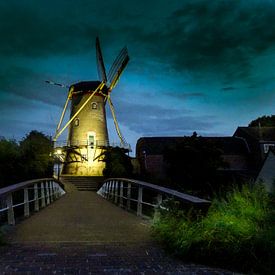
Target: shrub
(237,232)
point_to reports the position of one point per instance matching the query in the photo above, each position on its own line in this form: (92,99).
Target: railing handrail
(184,197)
(20,185)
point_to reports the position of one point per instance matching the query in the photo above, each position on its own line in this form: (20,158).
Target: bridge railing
(29,195)
(143,197)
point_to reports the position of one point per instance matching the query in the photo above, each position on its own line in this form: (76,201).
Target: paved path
(82,233)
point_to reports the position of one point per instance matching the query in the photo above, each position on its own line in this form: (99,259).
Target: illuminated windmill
(87,126)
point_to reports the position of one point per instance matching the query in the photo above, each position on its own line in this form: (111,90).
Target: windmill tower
(87,127)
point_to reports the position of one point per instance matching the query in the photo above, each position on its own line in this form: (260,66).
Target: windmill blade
(118,67)
(100,63)
(56,84)
(112,71)
(121,137)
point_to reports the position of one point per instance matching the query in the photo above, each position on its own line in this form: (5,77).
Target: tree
(118,164)
(192,165)
(264,121)
(9,158)
(35,160)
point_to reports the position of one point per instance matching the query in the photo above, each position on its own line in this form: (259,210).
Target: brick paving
(83,234)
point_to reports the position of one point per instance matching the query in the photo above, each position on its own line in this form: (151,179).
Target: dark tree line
(192,166)
(28,159)
(118,164)
(263,121)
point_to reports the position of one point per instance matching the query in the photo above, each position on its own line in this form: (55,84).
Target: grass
(238,232)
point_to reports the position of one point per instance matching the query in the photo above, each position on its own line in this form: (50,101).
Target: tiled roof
(156,145)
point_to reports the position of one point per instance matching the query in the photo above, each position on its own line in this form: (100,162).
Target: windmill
(87,126)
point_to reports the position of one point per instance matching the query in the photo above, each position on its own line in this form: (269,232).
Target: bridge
(81,231)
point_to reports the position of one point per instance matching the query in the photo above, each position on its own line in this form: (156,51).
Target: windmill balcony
(97,144)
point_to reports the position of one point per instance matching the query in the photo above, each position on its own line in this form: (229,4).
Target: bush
(237,232)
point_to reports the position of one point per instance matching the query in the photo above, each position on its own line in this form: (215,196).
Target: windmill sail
(118,67)
(100,63)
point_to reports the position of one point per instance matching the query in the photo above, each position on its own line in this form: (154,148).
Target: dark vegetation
(238,232)
(118,164)
(264,121)
(28,159)
(184,160)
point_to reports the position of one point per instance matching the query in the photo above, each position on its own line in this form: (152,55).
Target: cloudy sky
(196,65)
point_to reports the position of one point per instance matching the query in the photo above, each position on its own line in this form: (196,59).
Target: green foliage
(35,150)
(27,160)
(237,232)
(264,121)
(185,159)
(118,164)
(9,157)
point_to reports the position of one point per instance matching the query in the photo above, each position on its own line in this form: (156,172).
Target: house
(150,153)
(267,171)
(244,152)
(259,140)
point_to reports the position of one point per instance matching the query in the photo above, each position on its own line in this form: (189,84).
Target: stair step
(83,183)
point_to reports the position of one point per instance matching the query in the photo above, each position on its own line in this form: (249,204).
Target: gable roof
(257,133)
(157,145)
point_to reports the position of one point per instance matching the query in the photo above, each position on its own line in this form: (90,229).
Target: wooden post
(43,204)
(47,193)
(128,196)
(139,203)
(11,219)
(116,192)
(36,201)
(121,194)
(26,202)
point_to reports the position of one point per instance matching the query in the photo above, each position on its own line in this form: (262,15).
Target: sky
(195,65)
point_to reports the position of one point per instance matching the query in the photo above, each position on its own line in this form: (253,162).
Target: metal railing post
(139,203)
(129,196)
(47,193)
(36,201)
(26,202)
(51,190)
(11,219)
(113,190)
(159,199)
(116,192)
(121,194)
(43,204)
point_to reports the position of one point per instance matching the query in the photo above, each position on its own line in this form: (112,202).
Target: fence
(26,197)
(142,197)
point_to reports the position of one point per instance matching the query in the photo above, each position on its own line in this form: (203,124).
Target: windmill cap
(86,86)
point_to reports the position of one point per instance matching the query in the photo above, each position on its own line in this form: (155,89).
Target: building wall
(267,173)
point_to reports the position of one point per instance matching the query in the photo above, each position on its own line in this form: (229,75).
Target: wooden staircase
(83,183)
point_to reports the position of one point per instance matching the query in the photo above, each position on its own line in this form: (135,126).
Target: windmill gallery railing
(97,143)
(143,197)
(27,196)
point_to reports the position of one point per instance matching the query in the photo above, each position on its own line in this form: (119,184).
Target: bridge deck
(81,233)
(81,217)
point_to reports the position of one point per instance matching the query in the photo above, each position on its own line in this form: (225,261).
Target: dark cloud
(184,95)
(218,37)
(157,120)
(228,89)
(29,84)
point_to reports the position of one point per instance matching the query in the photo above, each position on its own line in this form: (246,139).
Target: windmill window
(94,105)
(76,122)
